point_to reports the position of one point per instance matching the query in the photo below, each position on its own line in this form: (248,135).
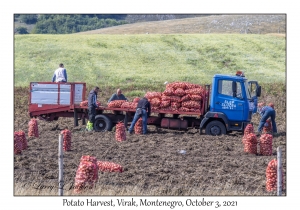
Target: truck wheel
(102,123)
(215,128)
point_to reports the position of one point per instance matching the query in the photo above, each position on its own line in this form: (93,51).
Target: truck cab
(231,104)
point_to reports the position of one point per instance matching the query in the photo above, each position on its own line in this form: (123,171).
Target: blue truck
(227,105)
(233,102)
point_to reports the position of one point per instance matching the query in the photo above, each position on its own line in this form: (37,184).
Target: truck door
(255,91)
(229,102)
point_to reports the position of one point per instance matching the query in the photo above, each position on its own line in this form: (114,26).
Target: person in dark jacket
(92,105)
(267,112)
(143,110)
(117,96)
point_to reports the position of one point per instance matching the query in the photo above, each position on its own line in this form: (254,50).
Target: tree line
(67,23)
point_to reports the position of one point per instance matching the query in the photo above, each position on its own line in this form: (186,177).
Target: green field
(140,63)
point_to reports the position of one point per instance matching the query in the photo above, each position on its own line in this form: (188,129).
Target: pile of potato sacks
(138,127)
(271,175)
(120,131)
(85,103)
(20,142)
(116,103)
(33,128)
(266,144)
(127,105)
(251,142)
(87,172)
(249,129)
(268,127)
(178,96)
(106,166)
(67,140)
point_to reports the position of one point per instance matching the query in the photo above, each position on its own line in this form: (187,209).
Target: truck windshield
(247,90)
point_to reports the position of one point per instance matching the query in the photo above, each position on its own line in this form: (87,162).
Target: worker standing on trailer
(266,112)
(60,74)
(117,96)
(92,105)
(143,110)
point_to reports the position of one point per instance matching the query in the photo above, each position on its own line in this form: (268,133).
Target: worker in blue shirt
(60,74)
(117,96)
(267,112)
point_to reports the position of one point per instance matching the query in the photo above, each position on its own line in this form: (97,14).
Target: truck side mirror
(258,91)
(234,89)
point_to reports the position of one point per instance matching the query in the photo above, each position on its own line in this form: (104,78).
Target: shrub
(28,19)
(22,30)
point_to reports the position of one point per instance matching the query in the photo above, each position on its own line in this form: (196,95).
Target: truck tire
(102,123)
(215,128)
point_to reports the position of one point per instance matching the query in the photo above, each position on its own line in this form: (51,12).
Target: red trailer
(49,101)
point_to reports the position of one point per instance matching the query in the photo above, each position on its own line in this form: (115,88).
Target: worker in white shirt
(60,74)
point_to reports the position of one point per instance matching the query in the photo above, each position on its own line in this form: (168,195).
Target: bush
(64,24)
(28,19)
(22,30)
(16,17)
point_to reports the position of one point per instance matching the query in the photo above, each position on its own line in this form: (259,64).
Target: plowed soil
(153,164)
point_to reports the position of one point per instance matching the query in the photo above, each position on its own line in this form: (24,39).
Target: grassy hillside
(144,62)
(221,24)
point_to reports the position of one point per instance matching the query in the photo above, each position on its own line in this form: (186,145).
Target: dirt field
(152,163)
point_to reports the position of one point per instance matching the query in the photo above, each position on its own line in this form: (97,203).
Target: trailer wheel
(102,123)
(215,128)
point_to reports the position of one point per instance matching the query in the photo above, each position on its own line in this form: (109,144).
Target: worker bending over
(143,110)
(266,112)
